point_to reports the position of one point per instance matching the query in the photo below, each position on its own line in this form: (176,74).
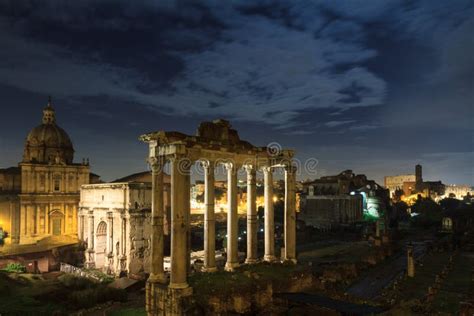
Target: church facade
(40,197)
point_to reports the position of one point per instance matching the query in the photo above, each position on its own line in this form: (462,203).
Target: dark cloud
(311,73)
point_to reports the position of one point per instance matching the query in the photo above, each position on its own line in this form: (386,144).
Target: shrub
(75,282)
(92,296)
(83,298)
(15,267)
(112,294)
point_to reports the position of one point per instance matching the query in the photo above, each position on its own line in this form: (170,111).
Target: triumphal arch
(214,144)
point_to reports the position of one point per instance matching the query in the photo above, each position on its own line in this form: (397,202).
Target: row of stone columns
(180,209)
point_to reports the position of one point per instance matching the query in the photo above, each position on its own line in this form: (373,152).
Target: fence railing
(67,268)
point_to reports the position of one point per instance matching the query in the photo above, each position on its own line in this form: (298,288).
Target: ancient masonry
(215,143)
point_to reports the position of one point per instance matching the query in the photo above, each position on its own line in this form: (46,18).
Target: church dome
(48,143)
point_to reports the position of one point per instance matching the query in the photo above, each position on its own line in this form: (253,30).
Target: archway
(56,219)
(100,244)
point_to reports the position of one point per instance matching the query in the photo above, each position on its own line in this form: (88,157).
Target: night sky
(373,86)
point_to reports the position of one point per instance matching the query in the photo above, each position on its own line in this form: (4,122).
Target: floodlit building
(40,197)
(343,199)
(412,185)
(458,191)
(115,223)
(394,183)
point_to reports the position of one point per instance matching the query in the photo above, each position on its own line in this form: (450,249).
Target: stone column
(252,223)
(123,242)
(110,232)
(209,218)
(187,216)
(110,241)
(410,262)
(37,220)
(269,215)
(157,273)
(80,233)
(290,214)
(232,218)
(179,168)
(90,242)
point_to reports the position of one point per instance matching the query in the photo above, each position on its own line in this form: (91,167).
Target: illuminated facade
(458,191)
(40,197)
(410,186)
(342,199)
(114,222)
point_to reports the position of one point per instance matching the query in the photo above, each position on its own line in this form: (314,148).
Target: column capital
(250,169)
(231,166)
(290,168)
(267,169)
(207,164)
(155,163)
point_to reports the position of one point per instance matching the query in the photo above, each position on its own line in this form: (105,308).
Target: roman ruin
(214,144)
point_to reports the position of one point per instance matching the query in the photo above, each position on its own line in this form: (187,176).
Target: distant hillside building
(342,199)
(40,197)
(114,222)
(414,184)
(458,191)
(394,183)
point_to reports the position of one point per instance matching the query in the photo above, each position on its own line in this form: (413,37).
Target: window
(57,185)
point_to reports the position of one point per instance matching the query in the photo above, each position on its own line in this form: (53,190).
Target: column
(179,168)
(232,218)
(187,217)
(81,225)
(269,216)
(290,214)
(46,221)
(123,242)
(37,219)
(110,242)
(209,218)
(157,210)
(252,223)
(90,242)
(110,233)
(410,262)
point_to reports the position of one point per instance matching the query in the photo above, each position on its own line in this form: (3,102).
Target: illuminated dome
(48,143)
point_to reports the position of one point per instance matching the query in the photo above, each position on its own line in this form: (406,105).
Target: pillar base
(178,286)
(230,266)
(209,269)
(291,260)
(251,261)
(162,300)
(269,258)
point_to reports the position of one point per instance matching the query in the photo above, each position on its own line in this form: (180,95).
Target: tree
(429,212)
(449,204)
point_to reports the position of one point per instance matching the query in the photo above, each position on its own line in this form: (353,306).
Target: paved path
(378,278)
(332,304)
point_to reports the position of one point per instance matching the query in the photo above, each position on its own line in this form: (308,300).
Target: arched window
(102,229)
(447,223)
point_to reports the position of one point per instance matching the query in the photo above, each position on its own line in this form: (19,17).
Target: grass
(417,287)
(456,286)
(129,312)
(349,252)
(25,294)
(246,280)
